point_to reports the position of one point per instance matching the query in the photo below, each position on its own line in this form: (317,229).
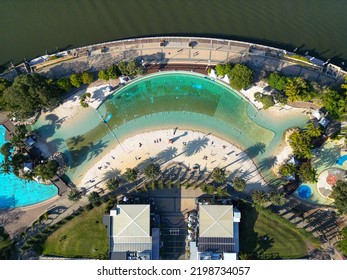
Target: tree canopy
(342,244)
(87,78)
(48,170)
(76,80)
(241,76)
(218,175)
(112,184)
(131,174)
(152,171)
(265,99)
(239,184)
(339,194)
(223,69)
(301,145)
(29,94)
(297,89)
(277,81)
(307,173)
(64,84)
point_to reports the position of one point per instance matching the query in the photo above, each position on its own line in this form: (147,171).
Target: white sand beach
(188,147)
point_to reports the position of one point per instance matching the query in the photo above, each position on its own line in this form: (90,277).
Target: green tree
(223,69)
(288,169)
(339,194)
(334,102)
(208,189)
(259,197)
(64,84)
(265,99)
(239,184)
(29,94)
(6,149)
(74,195)
(301,145)
(87,78)
(113,72)
(134,68)
(342,244)
(277,81)
(222,192)
(112,184)
(131,174)
(241,76)
(297,89)
(94,198)
(5,167)
(307,173)
(218,175)
(152,171)
(85,98)
(48,170)
(122,66)
(4,84)
(76,80)
(277,198)
(103,75)
(313,131)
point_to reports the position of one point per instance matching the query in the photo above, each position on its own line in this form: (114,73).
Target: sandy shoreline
(189,147)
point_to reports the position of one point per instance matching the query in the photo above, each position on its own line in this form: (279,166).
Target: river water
(29,28)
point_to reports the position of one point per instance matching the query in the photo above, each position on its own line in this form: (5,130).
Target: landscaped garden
(84,236)
(264,236)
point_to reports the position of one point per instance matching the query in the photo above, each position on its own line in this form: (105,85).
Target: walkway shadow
(195,146)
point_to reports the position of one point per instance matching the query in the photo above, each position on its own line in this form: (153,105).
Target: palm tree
(313,131)
(259,197)
(74,195)
(287,169)
(208,189)
(222,192)
(307,173)
(5,167)
(301,145)
(218,175)
(94,198)
(239,184)
(277,198)
(112,184)
(152,171)
(131,174)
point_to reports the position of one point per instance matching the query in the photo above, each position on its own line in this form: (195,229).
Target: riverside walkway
(182,50)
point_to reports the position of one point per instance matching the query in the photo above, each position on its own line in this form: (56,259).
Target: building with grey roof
(130,233)
(218,237)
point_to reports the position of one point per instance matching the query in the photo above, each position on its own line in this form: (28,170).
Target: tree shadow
(328,156)
(264,243)
(267,163)
(53,118)
(76,140)
(114,172)
(96,149)
(255,150)
(166,155)
(195,146)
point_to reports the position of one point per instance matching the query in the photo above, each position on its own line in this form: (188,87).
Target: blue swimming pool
(15,192)
(341,160)
(304,191)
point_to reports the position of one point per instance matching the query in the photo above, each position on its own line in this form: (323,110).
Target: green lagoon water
(169,100)
(29,28)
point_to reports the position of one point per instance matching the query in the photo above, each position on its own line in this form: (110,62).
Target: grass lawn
(262,235)
(84,236)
